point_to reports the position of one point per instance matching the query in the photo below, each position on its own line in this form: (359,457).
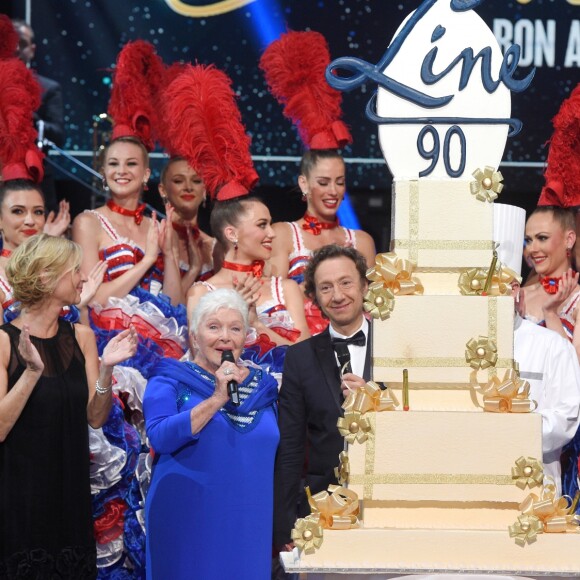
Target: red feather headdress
(8,38)
(20,158)
(202,123)
(137,79)
(294,67)
(562,175)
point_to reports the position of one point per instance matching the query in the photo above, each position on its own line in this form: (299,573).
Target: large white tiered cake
(454,483)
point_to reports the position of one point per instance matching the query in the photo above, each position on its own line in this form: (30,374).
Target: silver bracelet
(102,390)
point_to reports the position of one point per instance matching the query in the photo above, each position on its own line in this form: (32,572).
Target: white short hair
(213,301)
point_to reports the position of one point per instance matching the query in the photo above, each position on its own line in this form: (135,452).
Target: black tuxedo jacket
(309,407)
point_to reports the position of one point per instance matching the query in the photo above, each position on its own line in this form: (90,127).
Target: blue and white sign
(443,101)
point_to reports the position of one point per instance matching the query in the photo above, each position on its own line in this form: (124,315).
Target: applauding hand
(56,225)
(28,352)
(120,348)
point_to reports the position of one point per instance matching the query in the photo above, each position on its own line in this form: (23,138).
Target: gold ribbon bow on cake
(472,281)
(528,472)
(481,353)
(335,509)
(546,513)
(389,277)
(487,185)
(307,534)
(370,398)
(510,395)
(354,426)
(342,472)
(395,274)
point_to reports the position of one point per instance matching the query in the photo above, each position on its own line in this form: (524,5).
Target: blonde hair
(35,267)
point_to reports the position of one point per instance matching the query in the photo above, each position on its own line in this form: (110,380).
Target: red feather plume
(20,158)
(562,175)
(202,123)
(137,79)
(8,38)
(294,67)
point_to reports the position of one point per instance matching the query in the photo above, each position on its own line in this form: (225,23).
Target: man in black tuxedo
(317,372)
(49,118)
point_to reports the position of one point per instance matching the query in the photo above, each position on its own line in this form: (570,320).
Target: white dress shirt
(357,353)
(549,363)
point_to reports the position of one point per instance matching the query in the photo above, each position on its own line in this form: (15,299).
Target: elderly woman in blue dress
(209,507)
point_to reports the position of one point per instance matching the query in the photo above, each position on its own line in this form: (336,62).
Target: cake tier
(414,460)
(442,227)
(428,336)
(419,551)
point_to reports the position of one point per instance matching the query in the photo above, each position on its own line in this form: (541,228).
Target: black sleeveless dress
(45,497)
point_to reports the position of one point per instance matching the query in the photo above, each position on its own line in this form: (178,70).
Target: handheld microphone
(228,355)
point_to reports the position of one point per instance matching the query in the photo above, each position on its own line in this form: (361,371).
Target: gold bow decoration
(481,353)
(528,472)
(307,534)
(379,302)
(510,395)
(342,472)
(354,426)
(370,398)
(501,281)
(472,282)
(396,274)
(337,507)
(526,529)
(555,512)
(487,185)
(390,276)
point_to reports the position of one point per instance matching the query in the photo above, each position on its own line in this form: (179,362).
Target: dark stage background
(78,40)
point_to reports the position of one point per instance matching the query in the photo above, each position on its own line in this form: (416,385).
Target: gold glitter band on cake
(430,361)
(369,460)
(371,479)
(413,247)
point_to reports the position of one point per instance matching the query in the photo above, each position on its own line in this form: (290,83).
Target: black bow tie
(358,339)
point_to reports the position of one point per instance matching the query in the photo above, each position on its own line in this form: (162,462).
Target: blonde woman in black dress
(51,387)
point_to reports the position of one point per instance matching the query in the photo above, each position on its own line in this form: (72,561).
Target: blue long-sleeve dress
(209,508)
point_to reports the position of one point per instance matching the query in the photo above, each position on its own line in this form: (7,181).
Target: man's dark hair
(327,253)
